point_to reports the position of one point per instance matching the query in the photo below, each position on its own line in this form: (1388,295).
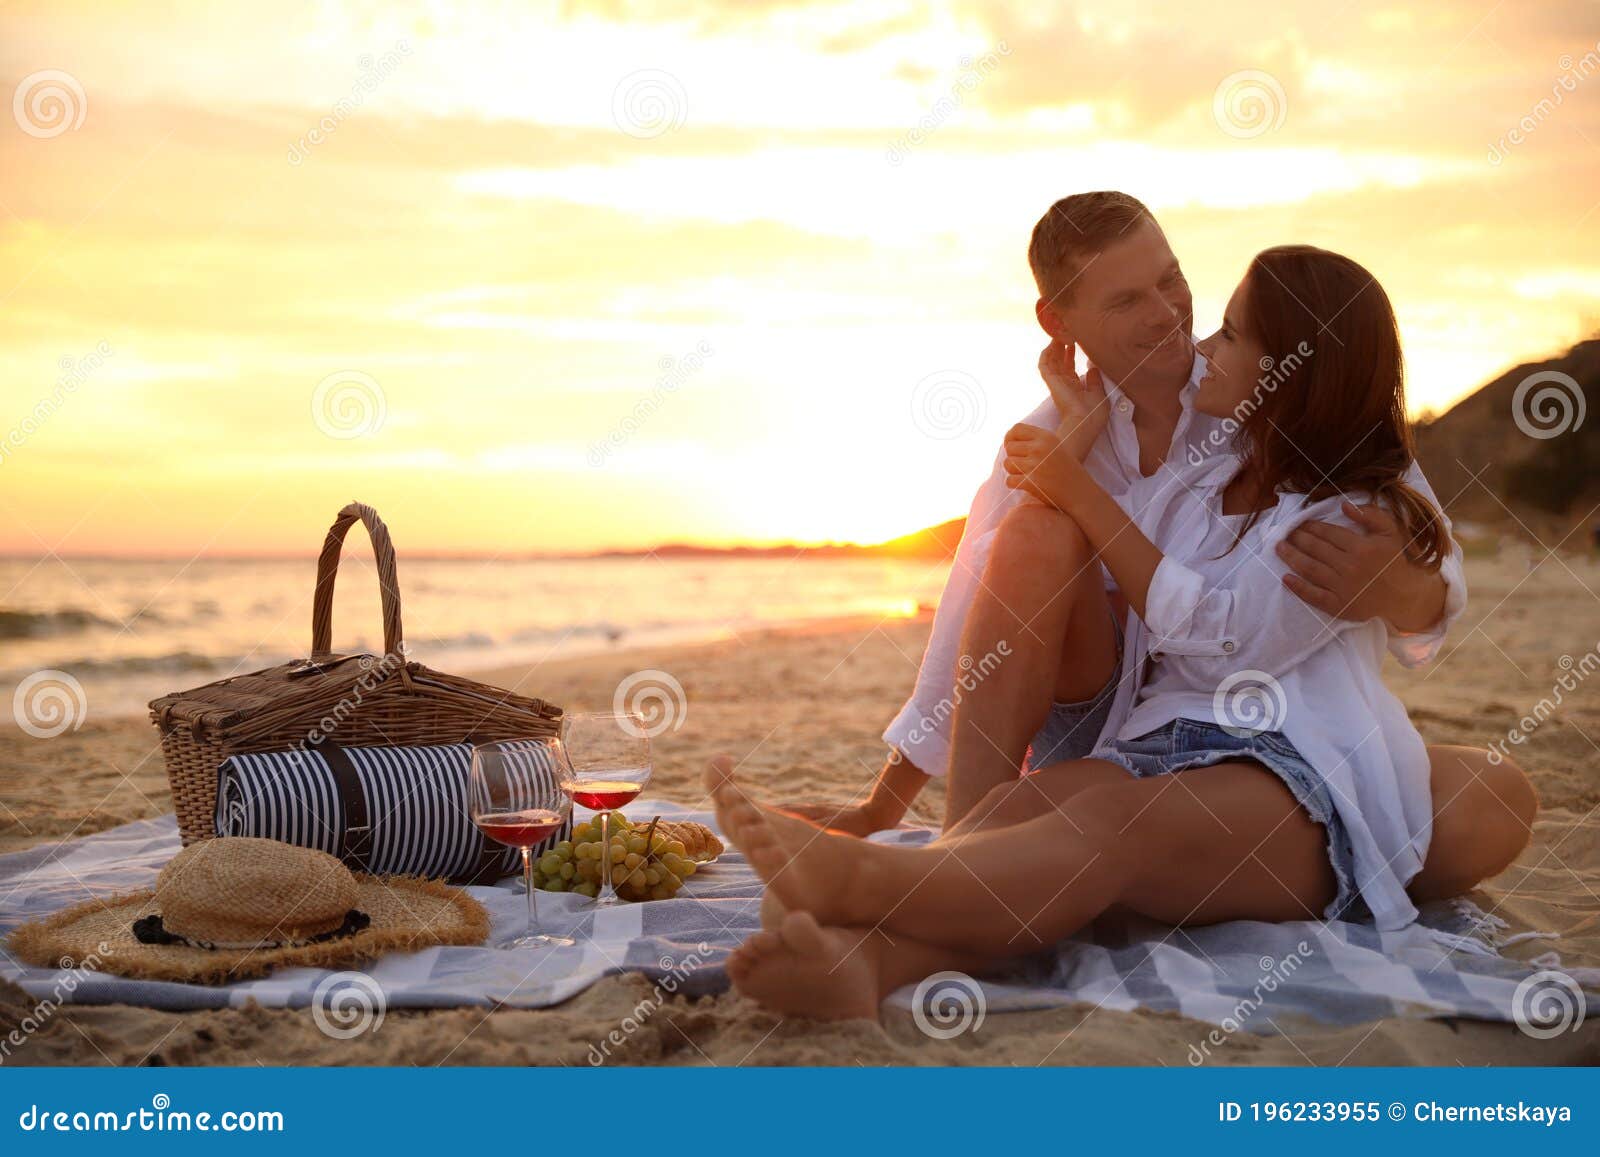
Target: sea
(101,637)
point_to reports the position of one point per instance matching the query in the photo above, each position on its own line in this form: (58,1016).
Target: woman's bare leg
(1215,843)
(1483,814)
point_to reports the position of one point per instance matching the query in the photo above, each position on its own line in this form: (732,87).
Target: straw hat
(237,907)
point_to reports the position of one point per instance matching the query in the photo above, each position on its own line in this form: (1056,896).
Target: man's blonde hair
(1076,230)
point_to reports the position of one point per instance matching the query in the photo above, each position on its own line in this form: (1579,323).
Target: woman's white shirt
(1224,641)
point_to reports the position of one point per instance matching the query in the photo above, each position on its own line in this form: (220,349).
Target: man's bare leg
(1042,596)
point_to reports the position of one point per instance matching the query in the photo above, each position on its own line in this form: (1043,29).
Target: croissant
(700,842)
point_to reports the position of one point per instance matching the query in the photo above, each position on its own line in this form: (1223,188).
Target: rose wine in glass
(517,799)
(608,764)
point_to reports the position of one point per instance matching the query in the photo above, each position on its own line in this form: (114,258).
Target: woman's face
(1236,363)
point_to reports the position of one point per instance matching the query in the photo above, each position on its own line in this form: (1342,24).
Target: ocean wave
(16,624)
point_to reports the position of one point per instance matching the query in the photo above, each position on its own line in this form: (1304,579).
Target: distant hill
(933,543)
(1482,448)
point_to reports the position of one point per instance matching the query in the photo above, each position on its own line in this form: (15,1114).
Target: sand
(802,709)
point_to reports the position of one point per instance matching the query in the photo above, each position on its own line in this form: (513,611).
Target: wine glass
(516,799)
(608,763)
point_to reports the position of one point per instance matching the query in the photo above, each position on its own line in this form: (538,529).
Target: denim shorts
(1186,743)
(1072,729)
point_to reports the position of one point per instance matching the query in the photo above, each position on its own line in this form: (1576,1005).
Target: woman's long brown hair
(1329,415)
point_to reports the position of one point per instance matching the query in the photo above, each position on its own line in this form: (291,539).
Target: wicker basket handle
(328,570)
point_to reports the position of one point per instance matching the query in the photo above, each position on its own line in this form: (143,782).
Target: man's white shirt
(922,729)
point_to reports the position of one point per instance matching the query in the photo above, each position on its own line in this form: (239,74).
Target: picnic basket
(359,699)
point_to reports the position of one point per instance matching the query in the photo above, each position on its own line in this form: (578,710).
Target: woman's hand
(1082,402)
(1042,463)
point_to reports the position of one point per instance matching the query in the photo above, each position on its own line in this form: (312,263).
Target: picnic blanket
(1240,975)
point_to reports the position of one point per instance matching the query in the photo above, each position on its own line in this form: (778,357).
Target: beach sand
(802,710)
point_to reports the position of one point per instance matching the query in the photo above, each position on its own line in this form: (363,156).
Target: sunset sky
(563,276)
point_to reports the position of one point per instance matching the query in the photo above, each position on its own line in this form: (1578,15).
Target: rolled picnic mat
(382,810)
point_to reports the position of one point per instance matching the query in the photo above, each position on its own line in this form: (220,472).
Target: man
(998,685)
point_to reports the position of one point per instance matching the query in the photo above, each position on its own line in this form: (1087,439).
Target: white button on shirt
(921,730)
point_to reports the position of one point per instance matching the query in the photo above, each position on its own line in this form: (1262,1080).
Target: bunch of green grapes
(644,865)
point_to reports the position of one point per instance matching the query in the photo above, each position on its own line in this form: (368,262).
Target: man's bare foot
(806,868)
(804,969)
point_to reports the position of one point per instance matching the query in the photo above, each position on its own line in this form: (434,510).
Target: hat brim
(407,914)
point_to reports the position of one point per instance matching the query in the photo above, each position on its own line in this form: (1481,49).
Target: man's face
(1131,311)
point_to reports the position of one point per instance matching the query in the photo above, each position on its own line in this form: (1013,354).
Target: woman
(1311,802)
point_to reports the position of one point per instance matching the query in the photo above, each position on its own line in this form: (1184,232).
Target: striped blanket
(1239,976)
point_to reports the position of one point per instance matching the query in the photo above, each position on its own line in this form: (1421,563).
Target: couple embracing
(1185,528)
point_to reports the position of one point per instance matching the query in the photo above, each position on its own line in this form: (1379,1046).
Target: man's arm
(897,785)
(1365,573)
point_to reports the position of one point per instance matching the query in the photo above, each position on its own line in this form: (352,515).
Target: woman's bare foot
(805,867)
(804,969)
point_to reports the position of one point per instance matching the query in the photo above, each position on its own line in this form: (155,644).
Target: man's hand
(1362,574)
(1082,402)
(853,819)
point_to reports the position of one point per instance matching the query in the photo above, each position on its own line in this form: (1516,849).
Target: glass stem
(606,889)
(527,877)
